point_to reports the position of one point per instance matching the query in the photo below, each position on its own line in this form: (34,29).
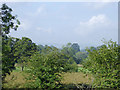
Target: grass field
(17,79)
(76,78)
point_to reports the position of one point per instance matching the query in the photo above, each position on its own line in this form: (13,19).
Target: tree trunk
(22,68)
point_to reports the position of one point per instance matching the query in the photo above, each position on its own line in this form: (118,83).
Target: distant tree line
(73,50)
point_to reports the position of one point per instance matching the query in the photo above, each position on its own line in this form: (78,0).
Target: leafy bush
(104,64)
(46,69)
(81,69)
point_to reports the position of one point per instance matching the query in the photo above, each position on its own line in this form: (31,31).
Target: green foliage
(73,51)
(68,50)
(46,49)
(46,69)
(104,64)
(7,20)
(7,55)
(23,49)
(7,23)
(79,56)
(81,69)
(71,66)
(76,47)
(40,48)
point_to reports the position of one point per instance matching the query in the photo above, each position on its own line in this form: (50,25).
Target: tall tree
(68,50)
(23,49)
(7,22)
(76,47)
(80,56)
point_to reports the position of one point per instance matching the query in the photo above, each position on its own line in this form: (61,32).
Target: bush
(104,64)
(46,69)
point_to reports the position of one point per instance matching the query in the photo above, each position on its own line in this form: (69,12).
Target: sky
(58,23)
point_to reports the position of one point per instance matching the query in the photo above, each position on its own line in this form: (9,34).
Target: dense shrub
(104,64)
(46,69)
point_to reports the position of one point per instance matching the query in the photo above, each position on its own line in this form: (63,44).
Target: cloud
(91,32)
(94,24)
(95,20)
(40,9)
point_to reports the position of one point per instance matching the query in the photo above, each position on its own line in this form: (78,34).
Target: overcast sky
(59,23)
